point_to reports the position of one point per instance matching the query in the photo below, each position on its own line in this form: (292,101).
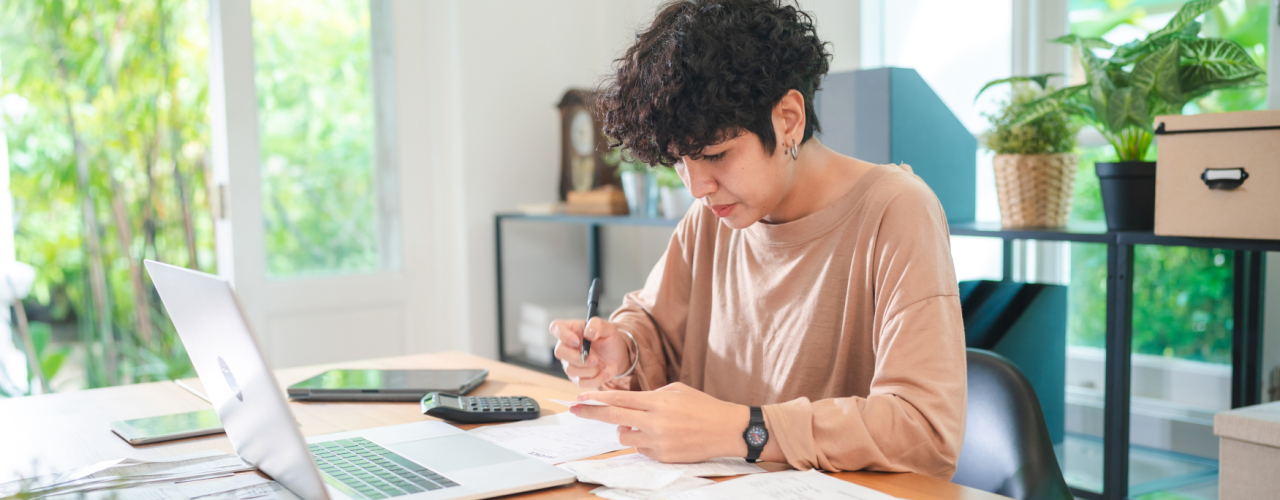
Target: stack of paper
(639,477)
(128,472)
(554,439)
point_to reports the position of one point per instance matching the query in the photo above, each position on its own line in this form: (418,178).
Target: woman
(806,310)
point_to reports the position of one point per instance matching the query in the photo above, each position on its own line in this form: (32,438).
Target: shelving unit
(1247,294)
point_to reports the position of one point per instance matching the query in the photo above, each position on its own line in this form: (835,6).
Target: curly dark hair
(708,70)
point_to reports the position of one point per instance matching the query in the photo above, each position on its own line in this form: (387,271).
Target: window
(318,126)
(1182,296)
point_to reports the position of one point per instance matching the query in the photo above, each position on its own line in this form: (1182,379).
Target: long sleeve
(844,325)
(656,315)
(912,418)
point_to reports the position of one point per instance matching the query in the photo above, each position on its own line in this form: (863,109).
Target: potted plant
(675,196)
(637,184)
(1034,164)
(1139,80)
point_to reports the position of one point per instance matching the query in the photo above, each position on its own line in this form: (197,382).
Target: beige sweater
(844,325)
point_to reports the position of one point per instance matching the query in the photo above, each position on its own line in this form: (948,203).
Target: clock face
(582,132)
(757,435)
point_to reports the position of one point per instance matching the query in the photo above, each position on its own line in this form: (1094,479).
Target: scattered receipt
(788,485)
(128,472)
(638,472)
(554,439)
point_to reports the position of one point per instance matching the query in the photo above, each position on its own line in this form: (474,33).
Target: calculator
(479,409)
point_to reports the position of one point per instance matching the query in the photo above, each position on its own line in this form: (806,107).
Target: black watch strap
(757,424)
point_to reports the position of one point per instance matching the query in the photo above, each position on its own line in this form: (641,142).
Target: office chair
(1007,449)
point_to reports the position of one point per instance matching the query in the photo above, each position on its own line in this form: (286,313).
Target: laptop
(417,461)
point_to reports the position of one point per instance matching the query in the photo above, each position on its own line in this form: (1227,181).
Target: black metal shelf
(1096,232)
(1248,278)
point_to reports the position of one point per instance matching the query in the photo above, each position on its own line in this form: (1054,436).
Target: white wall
(494,71)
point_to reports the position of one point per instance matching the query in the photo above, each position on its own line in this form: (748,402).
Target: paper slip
(788,485)
(123,473)
(682,484)
(166,491)
(589,402)
(639,472)
(269,490)
(553,439)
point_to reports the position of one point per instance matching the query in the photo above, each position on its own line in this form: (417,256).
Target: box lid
(1255,424)
(1218,121)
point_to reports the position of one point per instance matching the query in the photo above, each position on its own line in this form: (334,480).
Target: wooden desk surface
(56,432)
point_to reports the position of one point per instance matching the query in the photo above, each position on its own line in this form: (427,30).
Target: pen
(593,301)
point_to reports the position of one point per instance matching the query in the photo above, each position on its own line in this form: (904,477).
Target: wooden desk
(61,431)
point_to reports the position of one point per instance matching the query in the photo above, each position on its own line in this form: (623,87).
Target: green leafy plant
(1048,134)
(1154,76)
(617,158)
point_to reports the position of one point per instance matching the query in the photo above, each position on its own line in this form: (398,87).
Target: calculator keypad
(518,404)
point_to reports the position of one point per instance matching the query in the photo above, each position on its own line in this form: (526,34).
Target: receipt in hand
(554,439)
(589,402)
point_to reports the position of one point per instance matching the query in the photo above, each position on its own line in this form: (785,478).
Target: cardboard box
(1248,452)
(1218,175)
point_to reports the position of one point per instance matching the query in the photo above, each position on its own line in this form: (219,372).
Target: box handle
(1224,178)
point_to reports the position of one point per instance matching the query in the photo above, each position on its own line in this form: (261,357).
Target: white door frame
(331,318)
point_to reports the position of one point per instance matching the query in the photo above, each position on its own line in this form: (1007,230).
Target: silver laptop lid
(236,376)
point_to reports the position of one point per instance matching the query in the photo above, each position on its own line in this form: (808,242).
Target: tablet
(385,385)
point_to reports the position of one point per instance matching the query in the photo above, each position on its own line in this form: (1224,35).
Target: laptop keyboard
(374,471)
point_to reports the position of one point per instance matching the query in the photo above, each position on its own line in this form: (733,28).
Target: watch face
(757,435)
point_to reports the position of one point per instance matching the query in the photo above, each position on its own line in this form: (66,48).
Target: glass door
(304,132)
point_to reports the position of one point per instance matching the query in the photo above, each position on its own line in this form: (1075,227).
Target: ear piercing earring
(794,150)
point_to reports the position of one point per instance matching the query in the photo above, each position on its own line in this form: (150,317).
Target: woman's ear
(788,119)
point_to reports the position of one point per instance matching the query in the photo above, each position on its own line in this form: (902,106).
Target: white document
(788,485)
(166,491)
(269,490)
(589,402)
(129,472)
(636,471)
(554,439)
(682,484)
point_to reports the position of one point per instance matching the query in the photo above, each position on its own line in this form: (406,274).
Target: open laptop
(422,460)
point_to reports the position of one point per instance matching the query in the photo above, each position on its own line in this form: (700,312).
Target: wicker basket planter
(1035,190)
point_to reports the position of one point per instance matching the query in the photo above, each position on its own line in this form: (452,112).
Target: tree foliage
(104,116)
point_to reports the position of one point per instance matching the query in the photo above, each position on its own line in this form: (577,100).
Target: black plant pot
(1128,194)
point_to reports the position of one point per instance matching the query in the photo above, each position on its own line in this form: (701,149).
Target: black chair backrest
(1007,449)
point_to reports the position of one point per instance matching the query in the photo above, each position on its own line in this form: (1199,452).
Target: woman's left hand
(674,424)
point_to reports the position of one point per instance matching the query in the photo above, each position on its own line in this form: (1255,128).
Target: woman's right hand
(609,351)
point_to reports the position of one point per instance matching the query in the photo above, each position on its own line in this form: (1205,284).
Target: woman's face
(738,180)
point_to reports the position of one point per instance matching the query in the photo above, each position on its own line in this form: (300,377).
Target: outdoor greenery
(1047,134)
(103,109)
(315,99)
(1156,75)
(1182,296)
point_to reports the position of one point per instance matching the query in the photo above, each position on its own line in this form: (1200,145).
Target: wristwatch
(755,435)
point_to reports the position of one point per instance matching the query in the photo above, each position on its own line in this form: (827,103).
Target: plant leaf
(1186,15)
(1127,106)
(1214,63)
(1158,73)
(1056,101)
(1041,80)
(1080,41)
